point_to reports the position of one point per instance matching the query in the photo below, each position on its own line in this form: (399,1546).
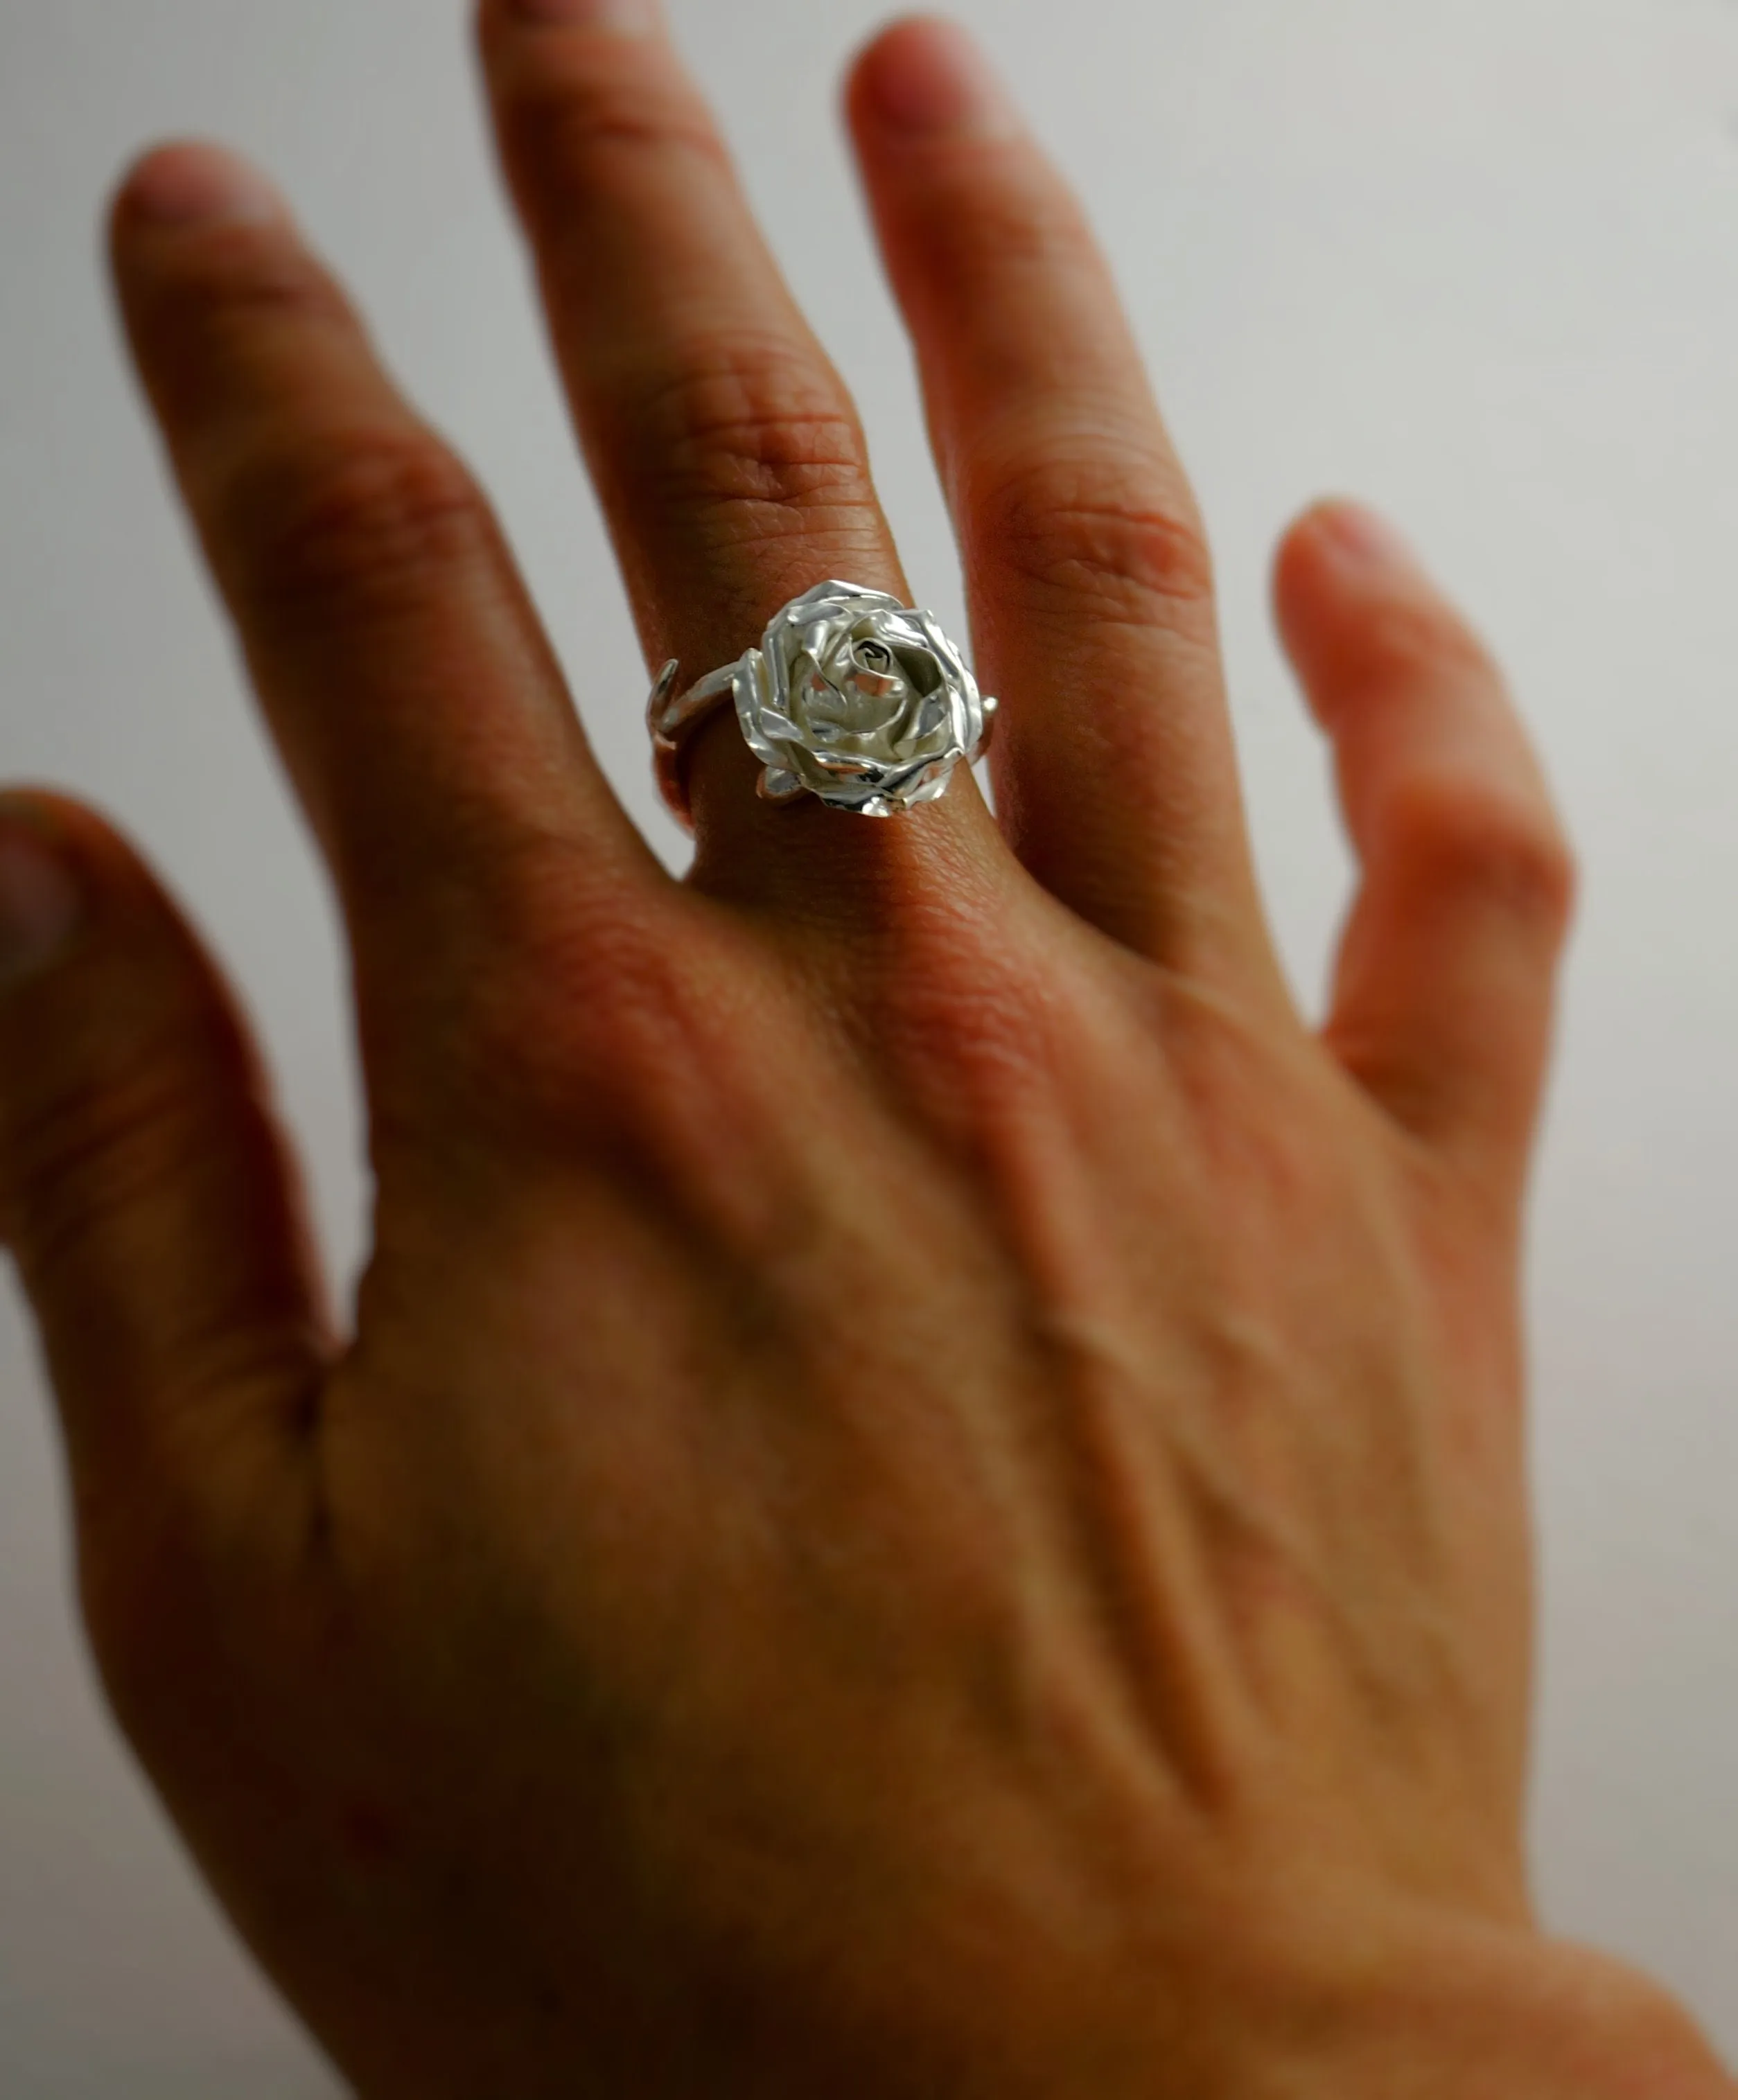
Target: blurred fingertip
(48,813)
(42,900)
(1345,529)
(1338,551)
(191,183)
(925,74)
(893,30)
(82,837)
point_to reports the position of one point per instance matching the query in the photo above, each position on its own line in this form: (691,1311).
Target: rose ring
(851,696)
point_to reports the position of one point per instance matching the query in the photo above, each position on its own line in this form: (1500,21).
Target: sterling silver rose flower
(859,699)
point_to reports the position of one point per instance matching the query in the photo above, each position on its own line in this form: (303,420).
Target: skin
(924,1493)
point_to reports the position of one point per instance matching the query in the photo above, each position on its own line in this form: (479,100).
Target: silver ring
(851,697)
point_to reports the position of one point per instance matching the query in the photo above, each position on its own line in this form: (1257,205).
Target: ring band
(851,697)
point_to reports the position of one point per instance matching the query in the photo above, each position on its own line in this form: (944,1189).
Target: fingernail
(621,18)
(200,186)
(928,77)
(1365,534)
(40,902)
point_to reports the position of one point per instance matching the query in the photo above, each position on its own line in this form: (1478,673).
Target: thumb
(146,1192)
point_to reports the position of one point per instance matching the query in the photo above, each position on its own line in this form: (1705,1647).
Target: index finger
(416,701)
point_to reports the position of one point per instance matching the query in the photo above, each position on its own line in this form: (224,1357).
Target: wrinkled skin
(923,1494)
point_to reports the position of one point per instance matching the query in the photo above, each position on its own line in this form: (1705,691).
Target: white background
(1479,263)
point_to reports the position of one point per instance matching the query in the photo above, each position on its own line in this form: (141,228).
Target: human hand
(924,1493)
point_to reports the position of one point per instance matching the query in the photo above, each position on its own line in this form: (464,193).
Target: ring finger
(727,454)
(1086,565)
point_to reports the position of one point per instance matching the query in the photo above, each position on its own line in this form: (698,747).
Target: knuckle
(1404,641)
(968,1009)
(585,122)
(1472,837)
(1070,533)
(87,1152)
(598,1020)
(361,518)
(751,434)
(981,226)
(244,279)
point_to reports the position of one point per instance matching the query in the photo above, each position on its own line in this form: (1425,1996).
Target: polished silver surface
(852,697)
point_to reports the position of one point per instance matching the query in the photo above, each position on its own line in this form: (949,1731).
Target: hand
(924,1493)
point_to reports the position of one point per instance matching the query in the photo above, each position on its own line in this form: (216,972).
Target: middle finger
(726,452)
